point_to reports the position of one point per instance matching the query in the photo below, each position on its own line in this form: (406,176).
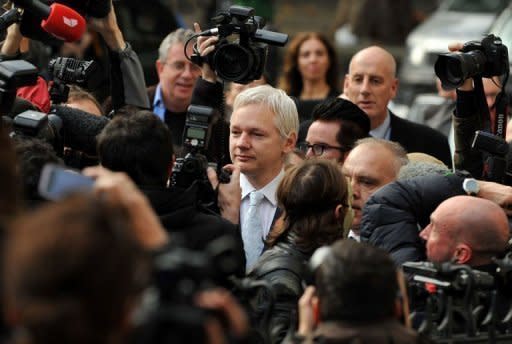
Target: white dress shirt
(383,131)
(268,204)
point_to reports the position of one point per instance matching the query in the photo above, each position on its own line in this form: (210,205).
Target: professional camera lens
(233,62)
(454,68)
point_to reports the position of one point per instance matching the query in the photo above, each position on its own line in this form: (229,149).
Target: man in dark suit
(370,84)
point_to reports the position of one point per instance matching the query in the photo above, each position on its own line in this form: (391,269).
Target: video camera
(242,60)
(486,59)
(454,277)
(455,303)
(191,170)
(66,70)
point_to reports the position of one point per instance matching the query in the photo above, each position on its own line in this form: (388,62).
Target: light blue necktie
(252,233)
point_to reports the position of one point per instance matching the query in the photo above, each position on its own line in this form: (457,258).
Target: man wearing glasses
(171,97)
(337,124)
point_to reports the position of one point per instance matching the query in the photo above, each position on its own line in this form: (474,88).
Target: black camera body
(486,58)
(14,74)
(448,276)
(39,125)
(67,70)
(72,71)
(242,60)
(196,136)
(169,313)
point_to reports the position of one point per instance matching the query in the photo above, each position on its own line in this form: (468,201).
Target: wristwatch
(470,185)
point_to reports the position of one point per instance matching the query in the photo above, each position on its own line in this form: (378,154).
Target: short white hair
(286,117)
(177,36)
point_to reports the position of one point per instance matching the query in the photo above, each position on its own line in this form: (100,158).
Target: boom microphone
(79,128)
(59,20)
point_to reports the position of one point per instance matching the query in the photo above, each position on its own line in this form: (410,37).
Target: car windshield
(484,6)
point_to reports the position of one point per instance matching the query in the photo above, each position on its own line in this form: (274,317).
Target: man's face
(369,167)
(255,144)
(370,85)
(177,77)
(324,133)
(440,238)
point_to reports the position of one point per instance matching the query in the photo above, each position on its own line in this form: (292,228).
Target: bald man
(392,215)
(466,230)
(371,83)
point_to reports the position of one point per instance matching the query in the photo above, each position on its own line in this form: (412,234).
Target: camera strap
(499,127)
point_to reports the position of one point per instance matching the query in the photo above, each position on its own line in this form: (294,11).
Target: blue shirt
(158,103)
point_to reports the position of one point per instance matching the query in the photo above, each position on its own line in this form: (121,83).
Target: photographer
(180,85)
(127,77)
(140,144)
(475,111)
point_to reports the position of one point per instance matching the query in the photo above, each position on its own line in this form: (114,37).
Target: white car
(453,21)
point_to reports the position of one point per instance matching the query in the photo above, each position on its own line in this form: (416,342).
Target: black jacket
(416,137)
(181,215)
(283,267)
(396,213)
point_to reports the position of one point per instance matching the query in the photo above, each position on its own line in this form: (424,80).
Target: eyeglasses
(319,148)
(180,66)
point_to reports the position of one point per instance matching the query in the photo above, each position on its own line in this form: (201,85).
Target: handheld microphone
(57,19)
(9,17)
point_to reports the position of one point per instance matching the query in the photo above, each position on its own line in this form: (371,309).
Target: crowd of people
(328,195)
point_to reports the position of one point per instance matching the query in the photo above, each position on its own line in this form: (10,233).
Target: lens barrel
(454,68)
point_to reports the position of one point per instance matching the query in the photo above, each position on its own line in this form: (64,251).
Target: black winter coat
(396,213)
(181,215)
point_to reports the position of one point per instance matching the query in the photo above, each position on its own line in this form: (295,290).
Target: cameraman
(180,85)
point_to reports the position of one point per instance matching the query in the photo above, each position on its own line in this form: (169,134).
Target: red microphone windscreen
(64,23)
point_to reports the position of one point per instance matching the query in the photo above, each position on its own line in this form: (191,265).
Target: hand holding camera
(486,59)
(204,46)
(243,59)
(229,194)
